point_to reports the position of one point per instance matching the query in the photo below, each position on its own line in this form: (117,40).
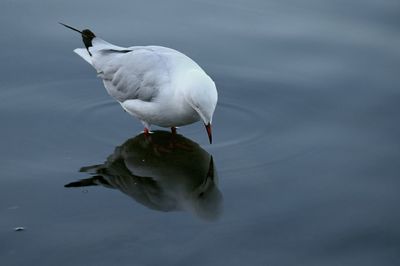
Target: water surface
(305,153)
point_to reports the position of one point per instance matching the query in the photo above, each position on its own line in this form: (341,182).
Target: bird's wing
(99,44)
(131,73)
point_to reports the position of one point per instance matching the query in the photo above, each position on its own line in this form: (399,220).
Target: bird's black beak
(208,128)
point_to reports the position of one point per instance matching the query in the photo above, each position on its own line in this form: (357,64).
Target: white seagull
(155,84)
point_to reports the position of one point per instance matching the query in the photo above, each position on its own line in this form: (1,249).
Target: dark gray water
(304,169)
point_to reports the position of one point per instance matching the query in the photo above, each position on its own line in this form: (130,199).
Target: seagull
(157,85)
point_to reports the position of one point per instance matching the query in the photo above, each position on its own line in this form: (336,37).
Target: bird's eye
(201,194)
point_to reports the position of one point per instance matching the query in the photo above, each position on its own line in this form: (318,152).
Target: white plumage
(155,84)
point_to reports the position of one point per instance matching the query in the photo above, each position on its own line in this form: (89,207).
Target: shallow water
(305,156)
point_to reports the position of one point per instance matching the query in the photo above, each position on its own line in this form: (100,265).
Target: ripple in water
(229,122)
(83,107)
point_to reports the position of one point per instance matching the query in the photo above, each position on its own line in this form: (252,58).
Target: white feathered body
(155,84)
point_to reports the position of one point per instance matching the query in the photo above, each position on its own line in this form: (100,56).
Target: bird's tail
(82,52)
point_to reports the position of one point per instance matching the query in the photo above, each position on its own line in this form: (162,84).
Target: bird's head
(202,96)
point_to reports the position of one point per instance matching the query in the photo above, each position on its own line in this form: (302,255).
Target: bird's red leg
(173,130)
(146,132)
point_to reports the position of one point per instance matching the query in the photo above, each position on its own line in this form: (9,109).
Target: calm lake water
(304,168)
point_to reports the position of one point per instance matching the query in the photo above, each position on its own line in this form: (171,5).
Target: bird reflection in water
(164,172)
